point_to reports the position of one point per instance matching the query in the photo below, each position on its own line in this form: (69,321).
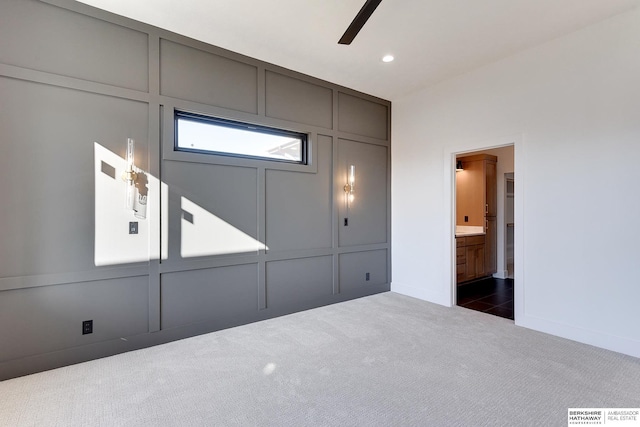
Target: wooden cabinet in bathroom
(491,245)
(470,258)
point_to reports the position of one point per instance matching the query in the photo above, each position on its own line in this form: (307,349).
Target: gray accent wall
(225,240)
(186,73)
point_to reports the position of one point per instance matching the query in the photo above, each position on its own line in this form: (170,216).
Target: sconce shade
(459,166)
(129,175)
(133,199)
(349,187)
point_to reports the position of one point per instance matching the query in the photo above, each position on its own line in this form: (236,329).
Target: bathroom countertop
(469,230)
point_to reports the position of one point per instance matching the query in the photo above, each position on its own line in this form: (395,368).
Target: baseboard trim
(420,293)
(618,344)
(504,274)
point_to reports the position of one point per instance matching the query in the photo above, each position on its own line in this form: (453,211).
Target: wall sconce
(459,166)
(350,186)
(134,200)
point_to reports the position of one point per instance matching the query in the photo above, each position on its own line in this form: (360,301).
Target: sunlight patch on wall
(113,242)
(204,234)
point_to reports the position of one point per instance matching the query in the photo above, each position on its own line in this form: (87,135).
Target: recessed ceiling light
(387,58)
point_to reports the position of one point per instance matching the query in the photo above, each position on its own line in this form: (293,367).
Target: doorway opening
(483,219)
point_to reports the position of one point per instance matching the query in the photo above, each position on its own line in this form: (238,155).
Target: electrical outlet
(346,222)
(87,327)
(133,227)
(466,218)
(367,277)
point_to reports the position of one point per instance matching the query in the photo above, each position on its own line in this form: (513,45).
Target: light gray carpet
(384,360)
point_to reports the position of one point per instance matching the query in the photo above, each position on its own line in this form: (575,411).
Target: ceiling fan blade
(359,21)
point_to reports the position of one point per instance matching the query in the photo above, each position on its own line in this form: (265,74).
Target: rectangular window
(203,134)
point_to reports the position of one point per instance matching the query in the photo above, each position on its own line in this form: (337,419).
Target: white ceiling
(431,39)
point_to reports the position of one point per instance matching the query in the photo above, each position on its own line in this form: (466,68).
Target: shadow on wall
(122,238)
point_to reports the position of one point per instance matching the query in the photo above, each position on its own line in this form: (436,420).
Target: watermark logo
(622,417)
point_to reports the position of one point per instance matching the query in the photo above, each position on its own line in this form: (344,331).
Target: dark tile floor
(490,295)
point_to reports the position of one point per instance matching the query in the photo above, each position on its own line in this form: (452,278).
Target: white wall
(572,109)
